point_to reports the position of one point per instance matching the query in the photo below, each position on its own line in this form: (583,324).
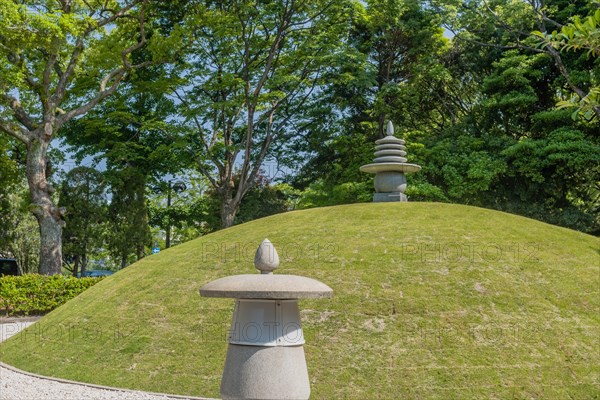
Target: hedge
(39,294)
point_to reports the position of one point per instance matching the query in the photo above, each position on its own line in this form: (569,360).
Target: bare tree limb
(207,146)
(206,173)
(565,73)
(246,184)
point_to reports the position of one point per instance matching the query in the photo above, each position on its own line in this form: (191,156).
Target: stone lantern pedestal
(265,355)
(390,168)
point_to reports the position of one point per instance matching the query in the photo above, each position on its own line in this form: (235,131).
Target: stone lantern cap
(385,167)
(266,285)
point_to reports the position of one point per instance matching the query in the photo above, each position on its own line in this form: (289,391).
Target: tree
(188,215)
(478,113)
(387,71)
(9,181)
(19,237)
(252,68)
(514,150)
(47,49)
(83,196)
(262,200)
(509,25)
(128,215)
(131,132)
(579,35)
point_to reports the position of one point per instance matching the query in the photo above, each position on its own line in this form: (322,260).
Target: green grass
(431,301)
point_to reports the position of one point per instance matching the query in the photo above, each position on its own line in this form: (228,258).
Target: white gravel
(17,386)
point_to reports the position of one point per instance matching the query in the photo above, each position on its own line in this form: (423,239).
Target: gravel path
(19,386)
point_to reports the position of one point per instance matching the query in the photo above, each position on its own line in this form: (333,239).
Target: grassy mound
(430,301)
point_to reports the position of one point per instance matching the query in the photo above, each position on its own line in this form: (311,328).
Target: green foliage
(391,69)
(19,237)
(462,166)
(425,192)
(39,294)
(130,132)
(262,200)
(560,169)
(9,185)
(319,194)
(579,35)
(59,60)
(9,167)
(83,195)
(128,216)
(308,84)
(467,111)
(188,216)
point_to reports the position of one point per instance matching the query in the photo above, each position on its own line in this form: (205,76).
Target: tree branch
(17,60)
(116,15)
(15,131)
(19,112)
(247,183)
(116,75)
(140,43)
(563,70)
(65,77)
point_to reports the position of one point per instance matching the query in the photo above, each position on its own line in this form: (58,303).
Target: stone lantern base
(257,372)
(388,197)
(265,356)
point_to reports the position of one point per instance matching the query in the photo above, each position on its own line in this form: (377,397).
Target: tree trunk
(84,263)
(381,125)
(168,236)
(49,217)
(76,266)
(50,245)
(228,212)
(123,262)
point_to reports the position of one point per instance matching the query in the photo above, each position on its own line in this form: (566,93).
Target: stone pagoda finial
(266,259)
(390,167)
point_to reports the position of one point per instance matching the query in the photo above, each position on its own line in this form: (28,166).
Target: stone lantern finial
(266,259)
(390,129)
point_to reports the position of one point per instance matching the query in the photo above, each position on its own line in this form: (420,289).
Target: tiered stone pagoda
(390,168)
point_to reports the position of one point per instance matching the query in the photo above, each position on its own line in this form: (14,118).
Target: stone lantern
(265,355)
(390,168)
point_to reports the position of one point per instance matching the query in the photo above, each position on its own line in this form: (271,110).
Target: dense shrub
(38,294)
